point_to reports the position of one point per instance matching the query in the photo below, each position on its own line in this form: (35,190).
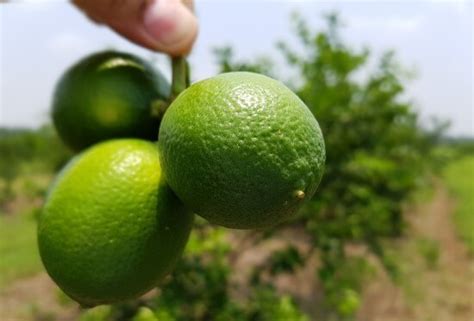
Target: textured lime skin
(107,95)
(241,150)
(111,229)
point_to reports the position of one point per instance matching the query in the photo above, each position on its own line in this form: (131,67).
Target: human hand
(168,26)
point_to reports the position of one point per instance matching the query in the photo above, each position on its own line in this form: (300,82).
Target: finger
(172,25)
(164,25)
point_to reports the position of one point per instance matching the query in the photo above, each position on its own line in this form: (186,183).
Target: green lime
(111,229)
(242,150)
(107,95)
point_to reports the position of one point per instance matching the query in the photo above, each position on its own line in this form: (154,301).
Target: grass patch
(459,177)
(19,256)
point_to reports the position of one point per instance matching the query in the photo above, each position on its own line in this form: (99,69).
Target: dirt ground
(441,293)
(444,293)
(34,299)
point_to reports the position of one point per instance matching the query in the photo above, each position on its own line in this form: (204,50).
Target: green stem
(180,81)
(180,76)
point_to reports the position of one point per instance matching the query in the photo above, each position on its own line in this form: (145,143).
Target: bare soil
(441,293)
(35,298)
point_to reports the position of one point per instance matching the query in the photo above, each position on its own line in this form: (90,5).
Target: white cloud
(397,24)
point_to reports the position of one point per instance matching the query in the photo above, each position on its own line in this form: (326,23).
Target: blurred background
(388,236)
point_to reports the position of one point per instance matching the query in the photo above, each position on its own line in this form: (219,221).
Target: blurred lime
(107,95)
(242,150)
(111,229)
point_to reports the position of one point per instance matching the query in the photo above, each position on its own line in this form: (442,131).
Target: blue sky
(40,39)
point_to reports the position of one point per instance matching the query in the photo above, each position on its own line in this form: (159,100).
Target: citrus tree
(376,156)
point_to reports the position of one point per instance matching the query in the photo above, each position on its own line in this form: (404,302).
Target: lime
(242,150)
(107,95)
(111,229)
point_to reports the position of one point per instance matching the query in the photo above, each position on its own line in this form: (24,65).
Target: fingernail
(170,23)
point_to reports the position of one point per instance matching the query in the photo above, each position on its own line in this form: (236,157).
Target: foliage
(286,260)
(227,62)
(462,146)
(450,149)
(25,151)
(200,287)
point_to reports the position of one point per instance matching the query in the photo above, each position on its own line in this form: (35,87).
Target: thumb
(164,25)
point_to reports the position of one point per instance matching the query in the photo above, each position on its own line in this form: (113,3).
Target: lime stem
(180,76)
(180,81)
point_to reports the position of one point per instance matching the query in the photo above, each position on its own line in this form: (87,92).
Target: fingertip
(171,25)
